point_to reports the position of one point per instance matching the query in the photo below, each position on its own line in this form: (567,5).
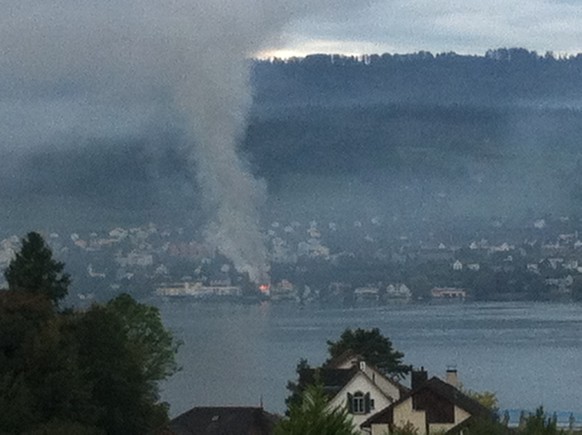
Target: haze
(93,131)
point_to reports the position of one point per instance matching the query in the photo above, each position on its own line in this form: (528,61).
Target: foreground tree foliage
(375,348)
(310,417)
(486,398)
(40,376)
(295,388)
(540,424)
(86,372)
(143,328)
(486,427)
(535,424)
(34,270)
(407,429)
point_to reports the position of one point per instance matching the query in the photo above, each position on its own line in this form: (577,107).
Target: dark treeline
(501,76)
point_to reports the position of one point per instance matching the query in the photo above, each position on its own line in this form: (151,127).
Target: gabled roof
(372,385)
(457,397)
(222,421)
(350,355)
(440,388)
(334,380)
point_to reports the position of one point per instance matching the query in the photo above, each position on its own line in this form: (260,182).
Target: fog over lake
(527,353)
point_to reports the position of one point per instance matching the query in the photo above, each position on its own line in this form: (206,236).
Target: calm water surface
(528,353)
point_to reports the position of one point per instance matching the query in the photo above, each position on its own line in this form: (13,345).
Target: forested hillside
(500,77)
(434,134)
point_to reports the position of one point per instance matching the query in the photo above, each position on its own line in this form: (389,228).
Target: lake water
(529,354)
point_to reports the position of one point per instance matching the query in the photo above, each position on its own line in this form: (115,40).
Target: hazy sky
(72,69)
(464,26)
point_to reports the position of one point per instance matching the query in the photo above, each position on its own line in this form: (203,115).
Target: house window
(358,403)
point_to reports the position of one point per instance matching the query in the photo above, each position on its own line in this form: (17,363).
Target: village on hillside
(352,262)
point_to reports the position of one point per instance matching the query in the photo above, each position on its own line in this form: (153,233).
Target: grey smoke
(77,57)
(215,94)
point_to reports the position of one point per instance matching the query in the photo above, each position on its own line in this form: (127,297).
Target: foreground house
(355,385)
(433,406)
(222,421)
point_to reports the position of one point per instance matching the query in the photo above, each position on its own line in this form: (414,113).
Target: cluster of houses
(197,290)
(377,404)
(550,251)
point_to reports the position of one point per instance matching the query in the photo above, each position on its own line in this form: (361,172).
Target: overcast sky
(464,26)
(72,69)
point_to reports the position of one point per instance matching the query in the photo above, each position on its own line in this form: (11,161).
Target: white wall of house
(387,387)
(361,382)
(380,429)
(384,384)
(404,413)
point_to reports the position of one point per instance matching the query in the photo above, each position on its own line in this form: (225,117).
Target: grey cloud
(463,26)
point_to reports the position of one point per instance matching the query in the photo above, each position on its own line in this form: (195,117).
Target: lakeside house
(353,384)
(448,293)
(432,406)
(198,290)
(367,293)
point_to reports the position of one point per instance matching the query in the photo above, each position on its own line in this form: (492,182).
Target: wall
(360,382)
(404,413)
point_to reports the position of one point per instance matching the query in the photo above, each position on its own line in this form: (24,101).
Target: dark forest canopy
(90,371)
(501,76)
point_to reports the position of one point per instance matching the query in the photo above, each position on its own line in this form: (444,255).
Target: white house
(353,384)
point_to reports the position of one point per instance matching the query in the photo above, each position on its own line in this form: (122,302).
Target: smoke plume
(215,97)
(74,60)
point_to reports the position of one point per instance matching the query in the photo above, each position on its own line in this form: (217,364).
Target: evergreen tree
(34,270)
(311,417)
(41,380)
(373,347)
(77,372)
(295,388)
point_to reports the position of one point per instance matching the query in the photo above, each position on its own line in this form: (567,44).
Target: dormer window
(359,403)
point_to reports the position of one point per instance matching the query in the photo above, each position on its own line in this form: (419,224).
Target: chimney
(452,378)
(418,377)
(363,366)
